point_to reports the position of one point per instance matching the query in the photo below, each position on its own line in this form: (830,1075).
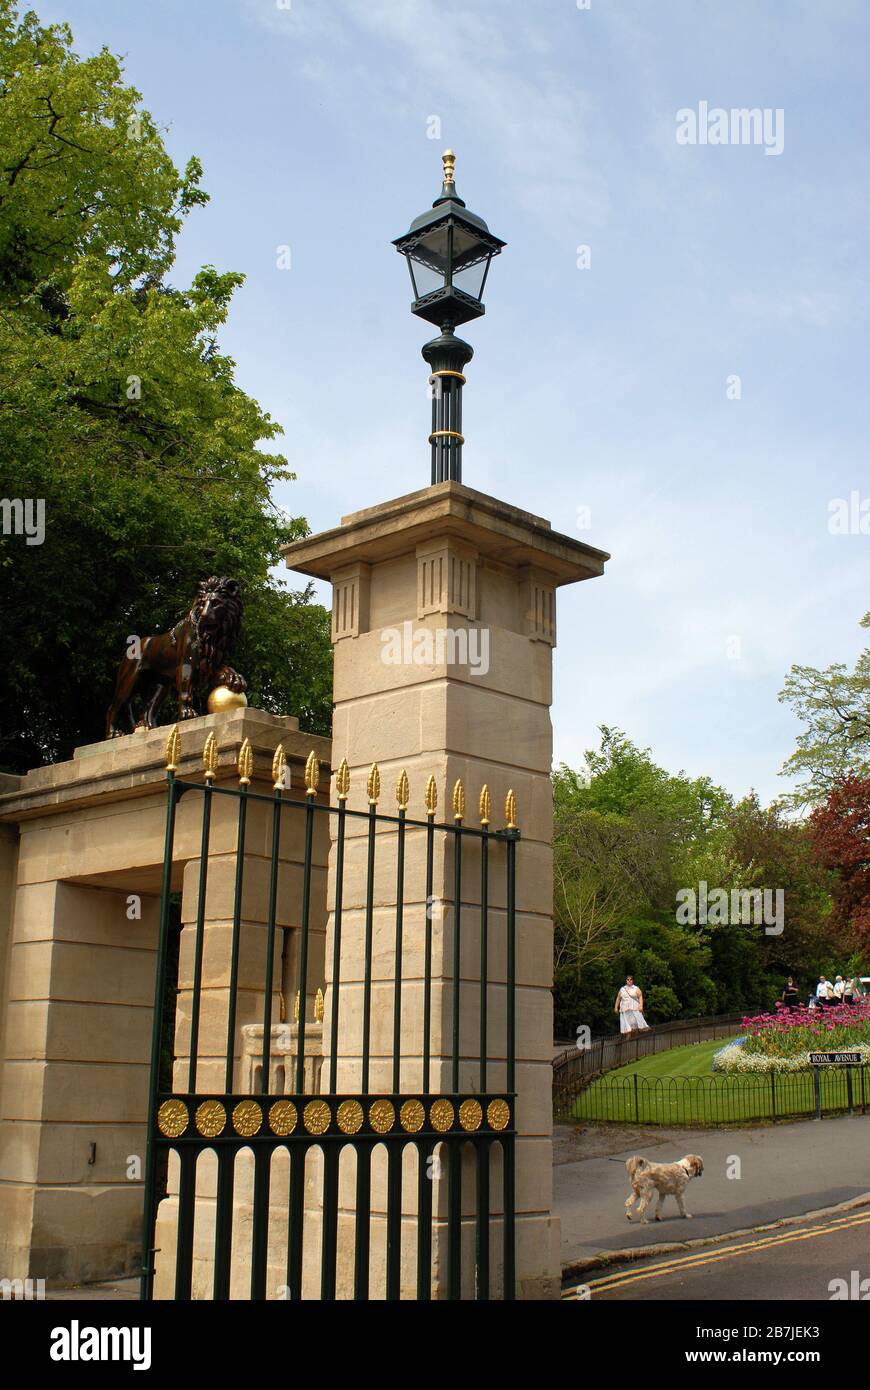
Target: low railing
(574,1068)
(685,1101)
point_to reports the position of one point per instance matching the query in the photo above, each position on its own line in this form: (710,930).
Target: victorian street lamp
(448,251)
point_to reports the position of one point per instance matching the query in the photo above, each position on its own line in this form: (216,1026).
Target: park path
(785,1170)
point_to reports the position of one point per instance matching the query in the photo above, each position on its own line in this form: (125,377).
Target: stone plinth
(443,627)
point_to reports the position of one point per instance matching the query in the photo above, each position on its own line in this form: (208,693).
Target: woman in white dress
(629,1006)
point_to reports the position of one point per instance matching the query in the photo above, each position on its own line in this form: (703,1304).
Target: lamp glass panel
(471,279)
(426,279)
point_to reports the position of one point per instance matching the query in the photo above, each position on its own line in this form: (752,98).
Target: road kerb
(605,1258)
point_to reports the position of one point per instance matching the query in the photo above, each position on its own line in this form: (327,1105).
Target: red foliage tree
(840,832)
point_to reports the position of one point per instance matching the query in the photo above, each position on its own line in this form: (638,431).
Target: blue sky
(600,388)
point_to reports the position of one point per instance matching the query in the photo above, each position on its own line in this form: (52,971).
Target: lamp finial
(448,159)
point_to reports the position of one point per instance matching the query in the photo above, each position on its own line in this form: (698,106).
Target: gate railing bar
(269,973)
(431,807)
(342,786)
(400,913)
(312,772)
(458,813)
(174,795)
(208,756)
(367,965)
(245,767)
(484,933)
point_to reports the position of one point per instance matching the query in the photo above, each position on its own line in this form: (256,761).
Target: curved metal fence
(574,1068)
(679,1101)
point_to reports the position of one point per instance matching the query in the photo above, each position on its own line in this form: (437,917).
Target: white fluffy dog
(667,1179)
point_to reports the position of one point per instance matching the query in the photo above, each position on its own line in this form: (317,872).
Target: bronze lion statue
(192,658)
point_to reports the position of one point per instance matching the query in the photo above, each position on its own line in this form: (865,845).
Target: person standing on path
(629,1006)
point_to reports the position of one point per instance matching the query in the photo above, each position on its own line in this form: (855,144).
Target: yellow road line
(620,1280)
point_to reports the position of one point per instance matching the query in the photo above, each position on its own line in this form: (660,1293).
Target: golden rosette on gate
(210,1118)
(283,1117)
(172,1118)
(382,1116)
(441,1115)
(247,1118)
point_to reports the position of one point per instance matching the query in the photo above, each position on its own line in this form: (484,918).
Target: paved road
(785,1170)
(797,1262)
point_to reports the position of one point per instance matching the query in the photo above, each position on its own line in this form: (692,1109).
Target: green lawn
(695,1059)
(677,1087)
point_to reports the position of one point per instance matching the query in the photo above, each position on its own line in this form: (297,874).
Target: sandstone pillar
(443,629)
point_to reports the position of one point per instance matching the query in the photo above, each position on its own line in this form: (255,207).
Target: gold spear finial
(373,786)
(173,750)
(280,778)
(312,774)
(245,763)
(403,791)
(318,1006)
(448,159)
(209,757)
(485,805)
(510,810)
(458,800)
(342,780)
(296,1008)
(431,797)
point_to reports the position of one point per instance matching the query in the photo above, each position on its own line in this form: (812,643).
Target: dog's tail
(635,1164)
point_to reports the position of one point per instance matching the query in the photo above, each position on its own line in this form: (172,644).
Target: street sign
(836,1059)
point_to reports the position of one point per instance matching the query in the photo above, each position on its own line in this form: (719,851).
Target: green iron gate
(450,1129)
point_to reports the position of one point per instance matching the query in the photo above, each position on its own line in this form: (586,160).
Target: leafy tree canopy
(119,413)
(834,704)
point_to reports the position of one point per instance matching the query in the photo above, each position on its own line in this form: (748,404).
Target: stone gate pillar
(443,627)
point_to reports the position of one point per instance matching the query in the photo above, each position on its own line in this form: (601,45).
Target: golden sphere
(222,698)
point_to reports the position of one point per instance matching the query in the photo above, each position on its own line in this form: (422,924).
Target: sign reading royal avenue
(836,1059)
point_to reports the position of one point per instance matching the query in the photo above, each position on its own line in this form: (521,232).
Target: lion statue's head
(217,616)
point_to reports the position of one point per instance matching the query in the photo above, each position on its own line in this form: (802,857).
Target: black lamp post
(448,251)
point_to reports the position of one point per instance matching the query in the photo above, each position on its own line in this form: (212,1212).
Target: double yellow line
(635,1276)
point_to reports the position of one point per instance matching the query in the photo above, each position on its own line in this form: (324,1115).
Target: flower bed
(780,1042)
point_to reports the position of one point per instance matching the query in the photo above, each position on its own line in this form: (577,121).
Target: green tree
(834,704)
(120,414)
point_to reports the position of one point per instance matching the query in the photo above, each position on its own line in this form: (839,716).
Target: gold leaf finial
(431,797)
(458,800)
(342,780)
(279,769)
(318,1006)
(448,159)
(485,805)
(312,774)
(246,762)
(402,791)
(296,1008)
(510,810)
(373,785)
(209,757)
(173,750)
